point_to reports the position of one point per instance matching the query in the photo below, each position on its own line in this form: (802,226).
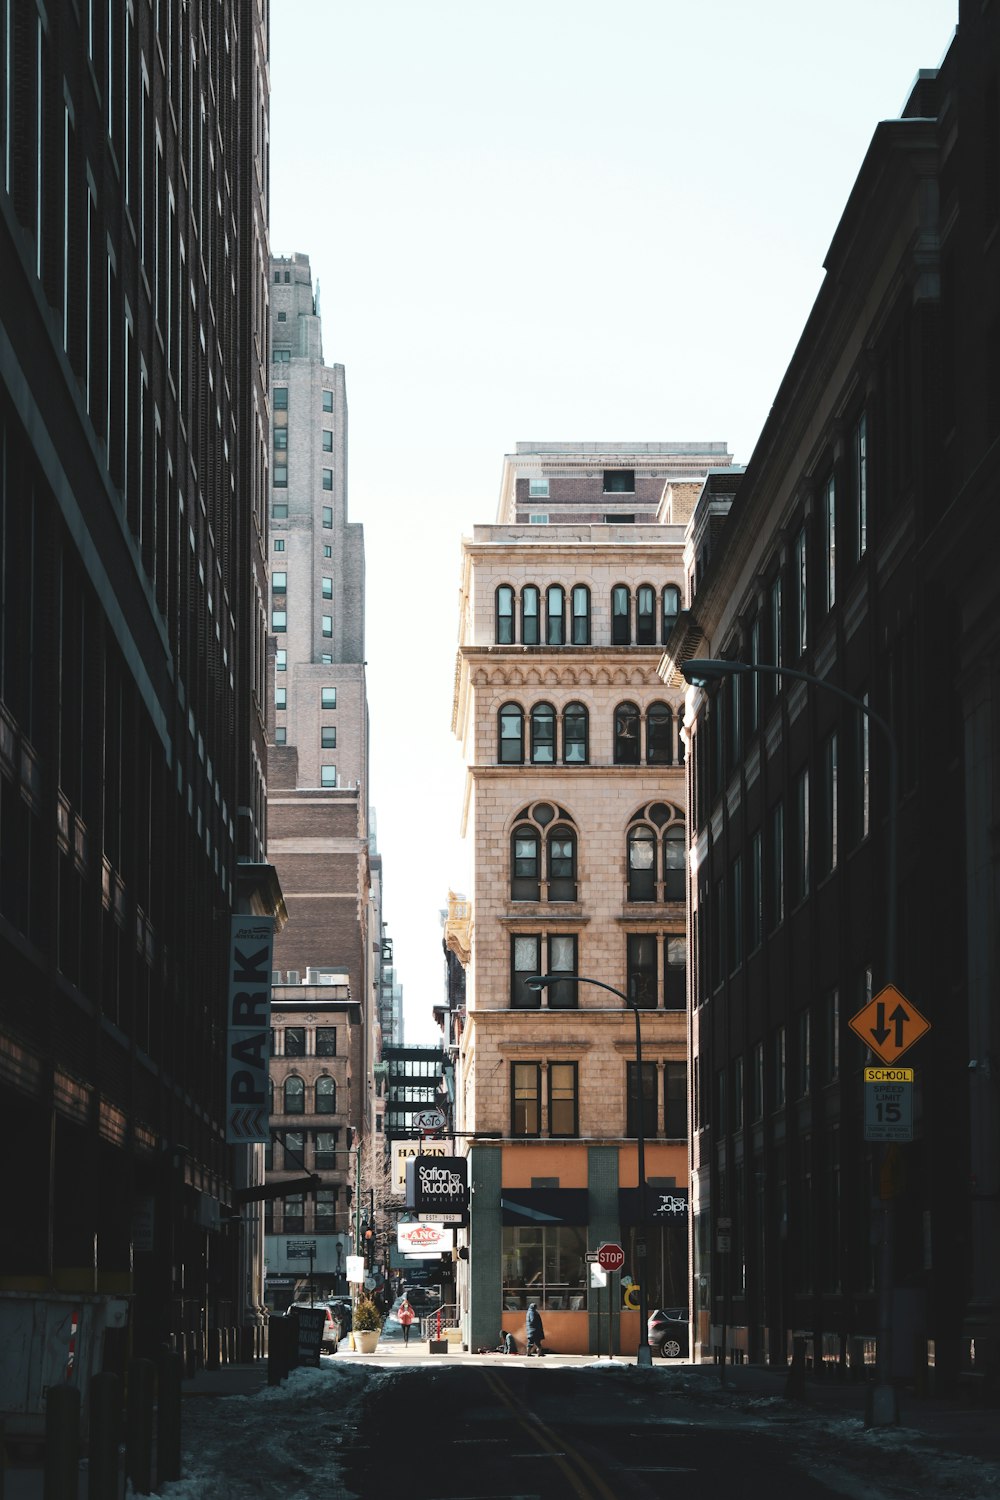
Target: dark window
(830,541)
(776,868)
(659,735)
(543,734)
(325,1150)
(280,397)
(800,836)
(826,853)
(327,440)
(581,615)
(641,863)
(328,479)
(505,615)
(674,864)
(675,1087)
(279,476)
(525,878)
(327,517)
(755,914)
(575,751)
(326,1096)
(326,1041)
(328,401)
(295,1095)
(561,949)
(563,1097)
(562,864)
(621,615)
(526,1098)
(671,607)
(626,735)
(753,679)
(675,974)
(645,615)
(525,961)
(328,737)
(619,481)
(861,487)
(530,612)
(555,615)
(641,977)
(511,720)
(801,601)
(648,1099)
(295,1041)
(293,1156)
(294,1215)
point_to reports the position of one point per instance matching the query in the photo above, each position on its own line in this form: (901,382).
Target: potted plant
(367,1326)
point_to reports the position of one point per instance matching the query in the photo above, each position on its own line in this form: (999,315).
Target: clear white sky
(548,219)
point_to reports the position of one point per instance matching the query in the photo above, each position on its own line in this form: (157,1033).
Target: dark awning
(540,1206)
(663,1205)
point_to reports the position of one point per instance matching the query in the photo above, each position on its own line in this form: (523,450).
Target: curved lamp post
(700,672)
(539,982)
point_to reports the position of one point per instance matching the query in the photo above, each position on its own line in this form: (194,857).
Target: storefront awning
(541,1206)
(663,1206)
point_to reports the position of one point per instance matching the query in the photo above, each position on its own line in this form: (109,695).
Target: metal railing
(429,1322)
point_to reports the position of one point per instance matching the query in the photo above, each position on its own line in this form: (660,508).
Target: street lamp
(538,982)
(700,672)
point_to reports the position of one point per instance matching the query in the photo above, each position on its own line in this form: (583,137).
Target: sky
(547,220)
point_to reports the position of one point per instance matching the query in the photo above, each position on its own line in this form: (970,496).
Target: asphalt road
(523,1432)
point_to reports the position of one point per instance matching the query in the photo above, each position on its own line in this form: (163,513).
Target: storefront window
(547,1266)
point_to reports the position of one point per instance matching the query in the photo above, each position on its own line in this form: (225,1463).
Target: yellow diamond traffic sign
(889,1024)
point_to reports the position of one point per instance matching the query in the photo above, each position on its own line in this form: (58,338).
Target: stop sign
(610,1257)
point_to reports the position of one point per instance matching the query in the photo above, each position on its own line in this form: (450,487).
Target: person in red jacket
(405,1316)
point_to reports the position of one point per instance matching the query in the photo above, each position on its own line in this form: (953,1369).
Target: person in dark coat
(534,1332)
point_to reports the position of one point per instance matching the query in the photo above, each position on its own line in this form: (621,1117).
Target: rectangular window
(327,440)
(800,835)
(328,697)
(325,1210)
(675,1104)
(279,620)
(805,1053)
(778,1043)
(525,1099)
(828,851)
(757,1082)
(563,1099)
(294,1218)
(753,679)
(581,615)
(328,401)
(831,1040)
(801,597)
(538,489)
(328,479)
(279,583)
(281,697)
(281,441)
(279,544)
(776,625)
(861,789)
(641,970)
(295,1041)
(328,776)
(619,481)
(648,1100)
(675,975)
(327,550)
(525,961)
(326,1041)
(830,540)
(281,735)
(755,894)
(279,476)
(328,737)
(279,512)
(737,1093)
(562,960)
(281,660)
(279,397)
(546,1265)
(327,588)
(327,517)
(861,487)
(325,1150)
(736,913)
(328,625)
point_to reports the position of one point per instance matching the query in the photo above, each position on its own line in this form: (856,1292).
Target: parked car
(668,1332)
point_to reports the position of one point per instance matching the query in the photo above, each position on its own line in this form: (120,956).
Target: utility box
(46,1339)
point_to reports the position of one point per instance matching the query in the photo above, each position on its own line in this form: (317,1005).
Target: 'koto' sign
(251,942)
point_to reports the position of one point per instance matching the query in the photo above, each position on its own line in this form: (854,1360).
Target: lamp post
(699,672)
(538,982)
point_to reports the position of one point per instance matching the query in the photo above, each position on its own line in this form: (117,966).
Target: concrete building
(859,549)
(133,414)
(576,809)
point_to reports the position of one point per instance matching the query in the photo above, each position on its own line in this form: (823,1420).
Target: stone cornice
(554,671)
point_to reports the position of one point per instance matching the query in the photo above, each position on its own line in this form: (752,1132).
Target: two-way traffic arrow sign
(889,1024)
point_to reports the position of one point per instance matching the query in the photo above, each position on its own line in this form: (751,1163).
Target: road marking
(546,1438)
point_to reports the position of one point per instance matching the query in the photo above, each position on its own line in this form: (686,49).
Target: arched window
(575,735)
(626,735)
(525,877)
(555,615)
(671,607)
(295,1095)
(562,863)
(674,863)
(641,863)
(659,735)
(326,1095)
(645,615)
(505,615)
(530,611)
(511,746)
(581,615)
(543,734)
(621,616)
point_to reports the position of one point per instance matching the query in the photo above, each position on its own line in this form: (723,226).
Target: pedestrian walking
(533,1330)
(405,1316)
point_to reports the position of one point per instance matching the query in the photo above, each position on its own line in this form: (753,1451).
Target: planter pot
(438,1346)
(365,1340)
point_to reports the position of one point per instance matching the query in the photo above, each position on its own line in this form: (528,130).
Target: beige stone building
(575,807)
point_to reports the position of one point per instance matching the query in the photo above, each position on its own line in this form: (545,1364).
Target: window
(326,586)
(325,1207)
(525,1099)
(830,541)
(328,401)
(326,659)
(755,930)
(581,615)
(641,863)
(619,481)
(801,600)
(737,1093)
(626,735)
(328,697)
(575,735)
(530,611)
(675,1111)
(279,477)
(675,975)
(804,1059)
(325,1149)
(326,1095)
(295,1095)
(648,1099)
(279,396)
(328,626)
(776,625)
(525,955)
(327,517)
(281,735)
(504,615)
(279,583)
(538,489)
(546,1265)
(281,660)
(860,792)
(538,518)
(561,949)
(328,479)
(827,851)
(831,1039)
(800,836)
(279,544)
(555,615)
(282,317)
(281,697)
(757,1082)
(776,867)
(327,440)
(328,776)
(641,970)
(279,620)
(543,734)
(281,441)
(562,864)
(525,882)
(563,1097)
(671,607)
(660,735)
(645,615)
(295,1041)
(328,737)
(753,679)
(674,863)
(511,721)
(327,550)
(860,446)
(621,616)
(779,1077)
(294,1217)
(326,1041)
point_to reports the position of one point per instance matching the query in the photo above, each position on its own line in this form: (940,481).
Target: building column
(485,1247)
(603,1224)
